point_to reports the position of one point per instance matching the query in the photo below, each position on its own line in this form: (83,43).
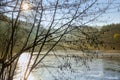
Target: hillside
(85,37)
(21,33)
(79,37)
(107,36)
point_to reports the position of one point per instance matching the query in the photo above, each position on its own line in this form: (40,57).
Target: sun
(25,6)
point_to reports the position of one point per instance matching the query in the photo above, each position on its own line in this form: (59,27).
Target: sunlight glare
(25,6)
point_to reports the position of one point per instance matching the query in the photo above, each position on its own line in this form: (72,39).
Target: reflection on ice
(22,66)
(31,77)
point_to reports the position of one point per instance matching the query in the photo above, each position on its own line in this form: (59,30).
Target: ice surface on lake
(73,68)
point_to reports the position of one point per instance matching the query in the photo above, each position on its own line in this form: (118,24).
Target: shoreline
(111,51)
(93,54)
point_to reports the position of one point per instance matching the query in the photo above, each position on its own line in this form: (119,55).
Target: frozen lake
(71,67)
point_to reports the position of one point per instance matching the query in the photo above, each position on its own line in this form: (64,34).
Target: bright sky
(112,15)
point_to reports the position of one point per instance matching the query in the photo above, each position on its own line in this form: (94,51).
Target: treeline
(107,35)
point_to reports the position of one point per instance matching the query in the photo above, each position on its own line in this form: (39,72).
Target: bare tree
(55,16)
